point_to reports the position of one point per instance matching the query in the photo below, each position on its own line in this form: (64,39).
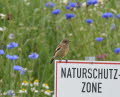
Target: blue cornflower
(107,15)
(2,52)
(12,57)
(12,45)
(71,5)
(91,2)
(49,4)
(10,93)
(33,56)
(56,11)
(17,68)
(89,21)
(99,39)
(117,50)
(118,16)
(113,27)
(69,15)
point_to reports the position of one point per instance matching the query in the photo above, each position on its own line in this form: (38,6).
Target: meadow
(30,30)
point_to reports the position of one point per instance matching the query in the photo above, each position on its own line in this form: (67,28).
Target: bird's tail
(52,60)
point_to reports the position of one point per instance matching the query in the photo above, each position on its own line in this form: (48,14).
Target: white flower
(2,16)
(11,36)
(23,91)
(48,92)
(2,29)
(36,83)
(25,83)
(45,85)
(84,4)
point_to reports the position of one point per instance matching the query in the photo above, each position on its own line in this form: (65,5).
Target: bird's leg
(66,61)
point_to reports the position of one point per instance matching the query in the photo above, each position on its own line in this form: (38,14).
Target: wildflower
(89,21)
(33,56)
(118,16)
(34,90)
(84,4)
(17,68)
(71,5)
(56,11)
(12,57)
(113,27)
(10,93)
(2,16)
(23,71)
(107,15)
(101,56)
(45,85)
(65,1)
(12,45)
(25,83)
(117,50)
(2,52)
(11,36)
(48,92)
(49,4)
(2,29)
(69,15)
(91,2)
(99,39)
(36,83)
(23,91)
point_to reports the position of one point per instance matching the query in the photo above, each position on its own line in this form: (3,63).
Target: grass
(36,29)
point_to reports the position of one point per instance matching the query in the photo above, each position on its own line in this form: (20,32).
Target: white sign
(87,79)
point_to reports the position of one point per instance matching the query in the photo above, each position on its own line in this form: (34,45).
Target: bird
(61,50)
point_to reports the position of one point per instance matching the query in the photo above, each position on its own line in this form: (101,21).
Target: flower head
(49,4)
(56,11)
(107,15)
(36,83)
(71,5)
(10,93)
(25,83)
(33,56)
(12,57)
(99,39)
(89,21)
(2,29)
(17,68)
(45,85)
(91,2)
(101,56)
(2,52)
(117,50)
(11,36)
(118,16)
(12,45)
(69,15)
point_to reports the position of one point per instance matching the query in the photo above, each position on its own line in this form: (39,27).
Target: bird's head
(65,41)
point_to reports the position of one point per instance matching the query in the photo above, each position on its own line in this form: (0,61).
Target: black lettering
(105,74)
(116,71)
(69,73)
(89,72)
(110,73)
(63,72)
(99,88)
(84,73)
(83,89)
(73,72)
(94,73)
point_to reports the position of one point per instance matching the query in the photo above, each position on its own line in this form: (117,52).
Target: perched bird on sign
(61,50)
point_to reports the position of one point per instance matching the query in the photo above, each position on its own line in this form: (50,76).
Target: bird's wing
(58,48)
